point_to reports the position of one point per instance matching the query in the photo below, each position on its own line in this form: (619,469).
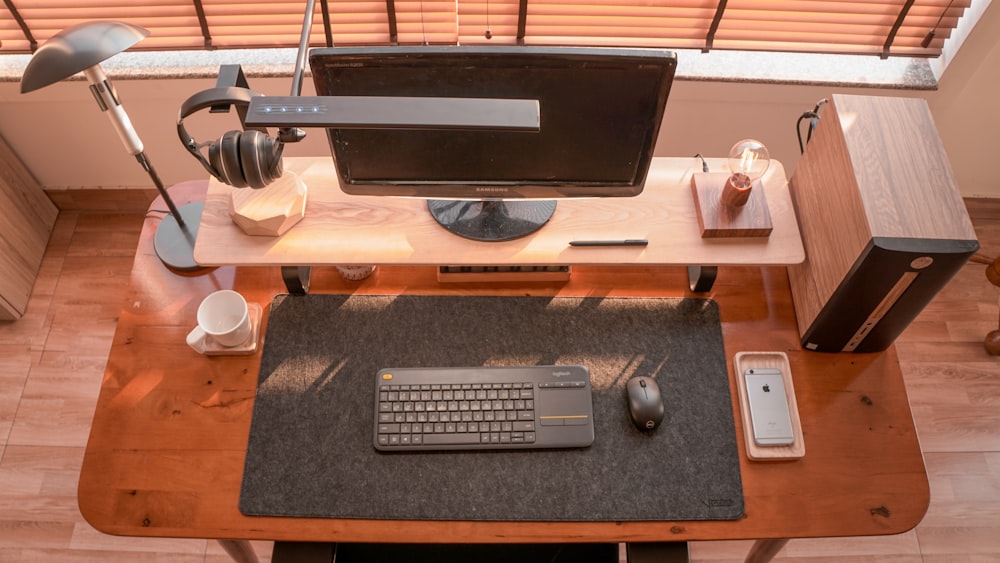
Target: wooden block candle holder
(717,218)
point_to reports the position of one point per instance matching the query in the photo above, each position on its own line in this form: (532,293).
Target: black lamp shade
(77,48)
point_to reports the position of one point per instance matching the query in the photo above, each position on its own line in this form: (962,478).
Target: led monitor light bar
(383,112)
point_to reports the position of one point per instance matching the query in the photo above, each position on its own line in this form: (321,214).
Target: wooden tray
(746,360)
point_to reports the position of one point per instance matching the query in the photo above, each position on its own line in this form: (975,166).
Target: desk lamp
(727,204)
(82,47)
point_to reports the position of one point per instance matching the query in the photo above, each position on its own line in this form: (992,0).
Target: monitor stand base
(492,221)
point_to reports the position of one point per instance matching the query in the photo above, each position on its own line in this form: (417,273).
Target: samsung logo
(492,190)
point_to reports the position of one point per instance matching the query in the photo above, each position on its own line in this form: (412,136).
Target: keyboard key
(450,439)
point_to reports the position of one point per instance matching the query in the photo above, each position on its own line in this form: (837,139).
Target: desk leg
(296,279)
(765,550)
(239,550)
(702,278)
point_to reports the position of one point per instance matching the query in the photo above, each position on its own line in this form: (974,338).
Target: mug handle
(196,339)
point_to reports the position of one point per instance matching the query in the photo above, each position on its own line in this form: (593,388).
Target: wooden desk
(345,229)
(166,450)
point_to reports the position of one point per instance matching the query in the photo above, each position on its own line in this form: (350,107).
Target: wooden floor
(52,361)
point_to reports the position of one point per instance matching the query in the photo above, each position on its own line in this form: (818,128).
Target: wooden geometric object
(716,219)
(272,210)
(883,223)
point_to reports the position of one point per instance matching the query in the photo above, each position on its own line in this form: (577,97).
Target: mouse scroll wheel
(642,384)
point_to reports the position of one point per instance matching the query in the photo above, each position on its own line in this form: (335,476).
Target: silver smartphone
(772,424)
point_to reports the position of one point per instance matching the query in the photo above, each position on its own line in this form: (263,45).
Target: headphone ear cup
(275,166)
(224,156)
(256,158)
(246,158)
(260,158)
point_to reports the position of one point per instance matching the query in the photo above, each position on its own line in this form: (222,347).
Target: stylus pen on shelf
(626,242)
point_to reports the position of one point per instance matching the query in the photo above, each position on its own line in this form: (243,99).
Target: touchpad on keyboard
(563,407)
(483,408)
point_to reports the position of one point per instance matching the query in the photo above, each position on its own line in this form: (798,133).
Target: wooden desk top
(166,450)
(345,229)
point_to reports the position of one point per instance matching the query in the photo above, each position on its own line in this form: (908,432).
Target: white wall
(62,137)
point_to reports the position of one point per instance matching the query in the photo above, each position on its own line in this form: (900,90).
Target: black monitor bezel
(664,60)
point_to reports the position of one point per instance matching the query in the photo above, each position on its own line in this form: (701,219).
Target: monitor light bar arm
(384,112)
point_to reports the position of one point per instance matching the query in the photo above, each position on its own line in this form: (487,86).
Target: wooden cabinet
(882,219)
(26,219)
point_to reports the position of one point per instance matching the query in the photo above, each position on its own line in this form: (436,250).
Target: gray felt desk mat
(310,446)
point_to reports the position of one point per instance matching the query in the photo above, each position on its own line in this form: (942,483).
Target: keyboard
(483,408)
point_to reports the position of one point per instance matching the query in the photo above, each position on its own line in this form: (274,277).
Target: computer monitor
(600,111)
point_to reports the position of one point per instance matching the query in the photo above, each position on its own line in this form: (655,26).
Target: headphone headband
(216,96)
(255,162)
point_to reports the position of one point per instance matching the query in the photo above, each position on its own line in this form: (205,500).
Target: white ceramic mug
(223,317)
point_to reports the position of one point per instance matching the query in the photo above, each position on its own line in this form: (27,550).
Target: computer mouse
(645,405)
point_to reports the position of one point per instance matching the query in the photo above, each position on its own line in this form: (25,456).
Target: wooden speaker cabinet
(882,221)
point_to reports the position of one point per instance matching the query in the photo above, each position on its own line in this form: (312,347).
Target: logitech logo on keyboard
(558,373)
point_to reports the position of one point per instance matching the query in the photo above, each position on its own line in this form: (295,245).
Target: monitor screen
(600,110)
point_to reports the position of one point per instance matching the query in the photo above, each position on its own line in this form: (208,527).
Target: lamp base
(719,220)
(174,245)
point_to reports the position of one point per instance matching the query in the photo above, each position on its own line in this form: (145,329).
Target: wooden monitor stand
(341,229)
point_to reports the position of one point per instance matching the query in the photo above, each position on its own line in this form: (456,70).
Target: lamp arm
(148,167)
(107,99)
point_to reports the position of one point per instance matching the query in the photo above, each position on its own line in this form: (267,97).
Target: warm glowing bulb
(748,161)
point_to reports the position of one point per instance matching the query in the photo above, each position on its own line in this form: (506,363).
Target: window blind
(883,28)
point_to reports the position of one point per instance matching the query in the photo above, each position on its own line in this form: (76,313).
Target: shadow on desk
(303,552)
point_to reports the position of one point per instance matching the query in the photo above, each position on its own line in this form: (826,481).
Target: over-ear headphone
(238,158)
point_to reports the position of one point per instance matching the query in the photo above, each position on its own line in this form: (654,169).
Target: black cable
(813,117)
(704,165)
(798,128)
(814,121)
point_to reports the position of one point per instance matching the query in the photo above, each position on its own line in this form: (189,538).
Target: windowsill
(842,71)
(717,66)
